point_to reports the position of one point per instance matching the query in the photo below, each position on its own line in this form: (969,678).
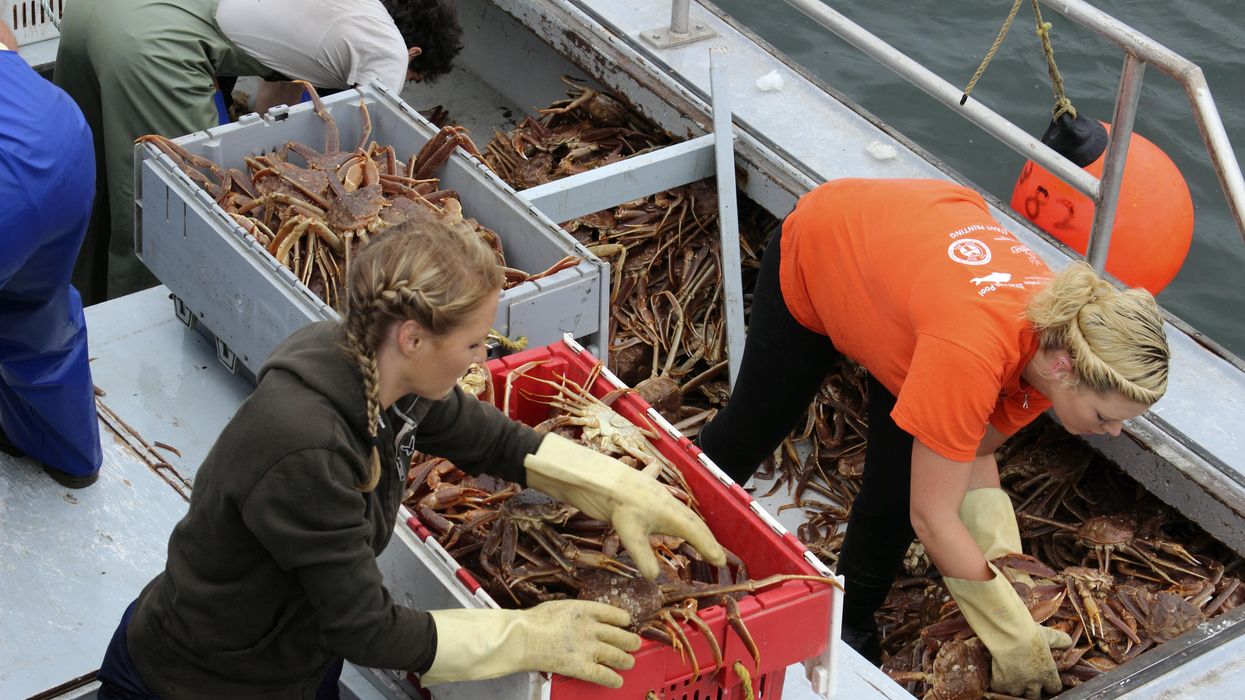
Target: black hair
(432,25)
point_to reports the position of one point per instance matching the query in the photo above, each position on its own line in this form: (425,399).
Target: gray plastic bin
(226,284)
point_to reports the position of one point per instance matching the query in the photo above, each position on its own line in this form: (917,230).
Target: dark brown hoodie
(272,572)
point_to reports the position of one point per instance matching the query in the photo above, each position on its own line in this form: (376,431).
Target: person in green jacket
(271,578)
(138,67)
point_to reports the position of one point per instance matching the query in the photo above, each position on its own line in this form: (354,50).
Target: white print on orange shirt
(992,277)
(994,286)
(1024,250)
(976,227)
(969,251)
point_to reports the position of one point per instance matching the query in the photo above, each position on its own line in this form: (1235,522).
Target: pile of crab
(666,304)
(311,209)
(525,547)
(666,332)
(1112,566)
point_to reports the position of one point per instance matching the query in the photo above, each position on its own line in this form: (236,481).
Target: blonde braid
(364,354)
(1114,338)
(402,295)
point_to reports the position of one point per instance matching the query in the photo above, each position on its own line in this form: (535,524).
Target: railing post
(728,218)
(682,30)
(679,10)
(1115,160)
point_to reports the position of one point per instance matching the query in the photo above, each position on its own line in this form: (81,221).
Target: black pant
(783,366)
(119,679)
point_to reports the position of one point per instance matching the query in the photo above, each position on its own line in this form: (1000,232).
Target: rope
(1062,104)
(998,40)
(745,679)
(47,8)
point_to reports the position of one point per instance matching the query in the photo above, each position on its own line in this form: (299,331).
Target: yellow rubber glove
(606,489)
(577,638)
(988,515)
(1020,647)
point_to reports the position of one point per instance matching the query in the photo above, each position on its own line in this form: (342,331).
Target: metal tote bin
(225,282)
(791,622)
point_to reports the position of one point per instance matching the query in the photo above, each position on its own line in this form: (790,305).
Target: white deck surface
(72,560)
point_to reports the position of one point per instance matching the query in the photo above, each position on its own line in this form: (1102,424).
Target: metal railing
(1139,50)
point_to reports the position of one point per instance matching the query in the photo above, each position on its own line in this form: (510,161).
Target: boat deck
(72,560)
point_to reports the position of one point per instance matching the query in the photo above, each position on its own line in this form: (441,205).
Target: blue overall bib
(47,184)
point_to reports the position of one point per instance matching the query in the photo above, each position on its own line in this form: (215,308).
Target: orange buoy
(1153,219)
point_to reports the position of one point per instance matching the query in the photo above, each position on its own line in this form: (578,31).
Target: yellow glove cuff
(988,515)
(474,645)
(577,475)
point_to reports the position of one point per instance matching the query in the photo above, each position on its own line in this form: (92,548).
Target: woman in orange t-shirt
(966,338)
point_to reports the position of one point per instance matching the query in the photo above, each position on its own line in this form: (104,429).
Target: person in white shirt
(139,67)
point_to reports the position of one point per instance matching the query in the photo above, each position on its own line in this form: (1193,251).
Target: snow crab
(657,607)
(1105,535)
(961,671)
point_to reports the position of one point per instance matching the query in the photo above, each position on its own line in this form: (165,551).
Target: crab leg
(693,619)
(332,140)
(736,622)
(185,159)
(683,642)
(1085,606)
(754,586)
(367,124)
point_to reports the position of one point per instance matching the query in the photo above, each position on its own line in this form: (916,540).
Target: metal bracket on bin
(188,317)
(711,155)
(226,356)
(183,312)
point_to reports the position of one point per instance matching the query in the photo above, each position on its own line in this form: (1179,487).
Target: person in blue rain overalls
(47,184)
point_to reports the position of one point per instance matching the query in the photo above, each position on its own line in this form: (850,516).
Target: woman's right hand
(1020,648)
(576,638)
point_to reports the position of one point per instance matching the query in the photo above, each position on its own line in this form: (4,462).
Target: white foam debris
(770,82)
(882,151)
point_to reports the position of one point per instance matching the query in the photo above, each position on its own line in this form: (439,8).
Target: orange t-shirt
(917,282)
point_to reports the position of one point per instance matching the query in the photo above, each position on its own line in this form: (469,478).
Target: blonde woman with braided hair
(271,579)
(966,339)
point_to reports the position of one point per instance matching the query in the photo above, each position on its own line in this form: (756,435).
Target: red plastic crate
(789,622)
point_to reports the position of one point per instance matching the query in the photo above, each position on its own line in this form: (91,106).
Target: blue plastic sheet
(47,184)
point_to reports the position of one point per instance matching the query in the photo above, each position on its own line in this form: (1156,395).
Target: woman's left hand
(604,488)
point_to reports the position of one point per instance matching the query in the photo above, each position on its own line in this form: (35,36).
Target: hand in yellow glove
(988,515)
(1020,647)
(607,489)
(577,638)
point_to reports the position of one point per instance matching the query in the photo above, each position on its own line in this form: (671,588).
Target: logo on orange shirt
(969,251)
(992,277)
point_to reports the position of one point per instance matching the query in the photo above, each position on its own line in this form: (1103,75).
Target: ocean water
(951,37)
